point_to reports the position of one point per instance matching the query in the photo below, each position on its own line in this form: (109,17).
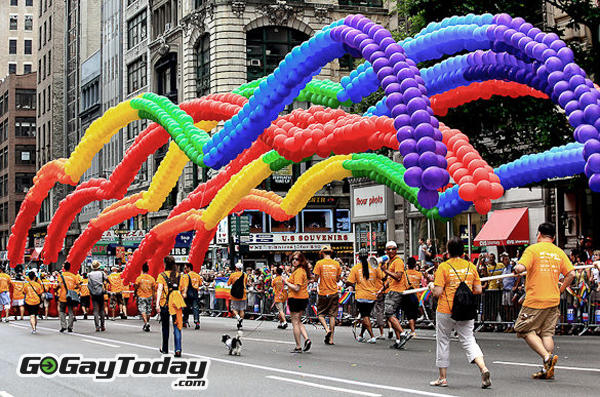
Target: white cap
(239,265)
(391,244)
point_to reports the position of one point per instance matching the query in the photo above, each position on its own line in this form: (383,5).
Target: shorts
(145,305)
(4,298)
(410,307)
(280,306)
(393,300)
(507,298)
(18,302)
(238,305)
(116,299)
(327,305)
(541,321)
(85,301)
(33,310)
(297,305)
(365,308)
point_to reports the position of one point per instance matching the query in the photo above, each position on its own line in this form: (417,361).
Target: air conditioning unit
(254,62)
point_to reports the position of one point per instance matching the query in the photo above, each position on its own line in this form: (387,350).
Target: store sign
(300,238)
(283,175)
(222,235)
(183,251)
(112,236)
(286,247)
(369,202)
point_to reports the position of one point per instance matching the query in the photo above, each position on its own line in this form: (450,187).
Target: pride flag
(424,296)
(345,297)
(222,289)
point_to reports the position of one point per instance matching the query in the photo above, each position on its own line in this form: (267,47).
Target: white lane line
(558,366)
(266,368)
(5,394)
(99,343)
(124,325)
(269,340)
(333,388)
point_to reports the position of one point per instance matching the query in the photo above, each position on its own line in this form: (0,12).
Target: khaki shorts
(327,305)
(280,306)
(541,321)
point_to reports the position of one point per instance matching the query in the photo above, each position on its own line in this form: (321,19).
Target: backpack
(192,293)
(237,289)
(170,285)
(464,306)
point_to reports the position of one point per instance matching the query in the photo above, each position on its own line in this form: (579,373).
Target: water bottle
(570,314)
(256,307)
(340,312)
(585,316)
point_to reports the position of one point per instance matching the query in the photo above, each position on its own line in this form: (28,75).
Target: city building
(18,50)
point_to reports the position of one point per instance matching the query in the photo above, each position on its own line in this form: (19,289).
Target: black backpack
(464,306)
(237,289)
(192,293)
(170,285)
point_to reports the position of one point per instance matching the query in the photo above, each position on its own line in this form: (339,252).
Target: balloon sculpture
(442,174)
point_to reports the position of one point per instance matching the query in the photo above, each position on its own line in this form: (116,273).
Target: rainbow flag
(222,289)
(345,297)
(424,296)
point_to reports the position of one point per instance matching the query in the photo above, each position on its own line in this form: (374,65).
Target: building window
(136,75)
(25,154)
(342,221)
(14,2)
(26,68)
(25,126)
(317,220)
(23,181)
(29,3)
(136,30)
(289,226)
(4,104)
(3,132)
(362,3)
(13,22)
(166,76)
(12,68)
(28,22)
(134,128)
(24,99)
(130,2)
(27,50)
(203,66)
(12,46)
(267,46)
(49,27)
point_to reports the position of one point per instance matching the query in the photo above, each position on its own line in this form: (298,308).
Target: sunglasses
(295,259)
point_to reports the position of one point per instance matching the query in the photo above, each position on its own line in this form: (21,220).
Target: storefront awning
(505,227)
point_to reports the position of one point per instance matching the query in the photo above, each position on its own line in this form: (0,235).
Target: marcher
(493,293)
(33,298)
(393,300)
(280,297)
(368,285)
(18,295)
(509,288)
(97,281)
(66,281)
(536,323)
(193,282)
(422,252)
(238,304)
(47,296)
(327,273)
(85,295)
(170,303)
(447,279)
(144,288)
(298,299)
(4,295)
(116,293)
(410,302)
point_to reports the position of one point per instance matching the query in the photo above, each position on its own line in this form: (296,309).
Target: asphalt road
(266,366)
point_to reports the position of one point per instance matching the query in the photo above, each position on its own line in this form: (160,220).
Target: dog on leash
(233,344)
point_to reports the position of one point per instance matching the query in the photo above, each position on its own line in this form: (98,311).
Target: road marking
(124,325)
(558,366)
(266,368)
(5,394)
(99,343)
(338,389)
(269,340)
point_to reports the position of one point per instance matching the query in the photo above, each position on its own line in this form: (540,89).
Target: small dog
(233,344)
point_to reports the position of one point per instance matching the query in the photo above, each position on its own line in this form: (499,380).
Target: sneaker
(396,344)
(239,323)
(409,335)
(372,340)
(6,320)
(97,329)
(485,380)
(33,331)
(381,337)
(284,326)
(360,339)
(307,345)
(147,328)
(85,316)
(62,330)
(70,330)
(539,375)
(280,326)
(197,326)
(403,339)
(549,366)
(102,329)
(178,353)
(390,335)
(439,383)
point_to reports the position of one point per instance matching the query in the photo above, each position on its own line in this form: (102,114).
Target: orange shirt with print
(328,271)
(233,278)
(414,278)
(195,278)
(161,280)
(396,265)
(145,285)
(33,290)
(18,290)
(278,291)
(116,282)
(544,263)
(366,288)
(448,279)
(4,282)
(72,283)
(300,278)
(85,291)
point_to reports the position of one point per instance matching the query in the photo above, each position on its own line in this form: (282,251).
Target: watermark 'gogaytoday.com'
(190,373)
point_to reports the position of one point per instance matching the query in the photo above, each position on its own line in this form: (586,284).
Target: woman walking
(298,299)
(170,303)
(33,297)
(448,277)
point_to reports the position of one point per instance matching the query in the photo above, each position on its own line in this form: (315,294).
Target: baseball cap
(326,248)
(391,244)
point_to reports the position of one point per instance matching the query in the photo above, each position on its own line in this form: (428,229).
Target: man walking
(144,291)
(544,262)
(327,273)
(4,295)
(393,300)
(193,281)
(97,280)
(239,298)
(66,281)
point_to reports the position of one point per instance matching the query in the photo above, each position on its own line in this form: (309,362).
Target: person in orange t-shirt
(66,281)
(192,300)
(116,293)
(447,279)
(280,296)
(18,294)
(144,291)
(237,305)
(327,273)
(4,295)
(297,285)
(84,295)
(410,302)
(33,298)
(170,303)
(544,263)
(393,300)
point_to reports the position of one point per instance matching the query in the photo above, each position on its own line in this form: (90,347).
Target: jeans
(164,320)
(193,305)
(98,303)
(63,306)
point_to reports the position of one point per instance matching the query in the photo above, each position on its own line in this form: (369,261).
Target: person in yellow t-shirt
(191,295)
(448,277)
(544,263)
(18,295)
(144,287)
(66,281)
(4,295)
(297,285)
(327,273)
(33,292)
(84,295)
(393,300)
(170,303)
(410,302)
(280,297)
(367,284)
(116,293)
(238,305)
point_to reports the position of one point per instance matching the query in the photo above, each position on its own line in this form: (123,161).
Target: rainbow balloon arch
(506,57)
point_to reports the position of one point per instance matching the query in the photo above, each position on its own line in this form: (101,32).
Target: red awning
(505,227)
